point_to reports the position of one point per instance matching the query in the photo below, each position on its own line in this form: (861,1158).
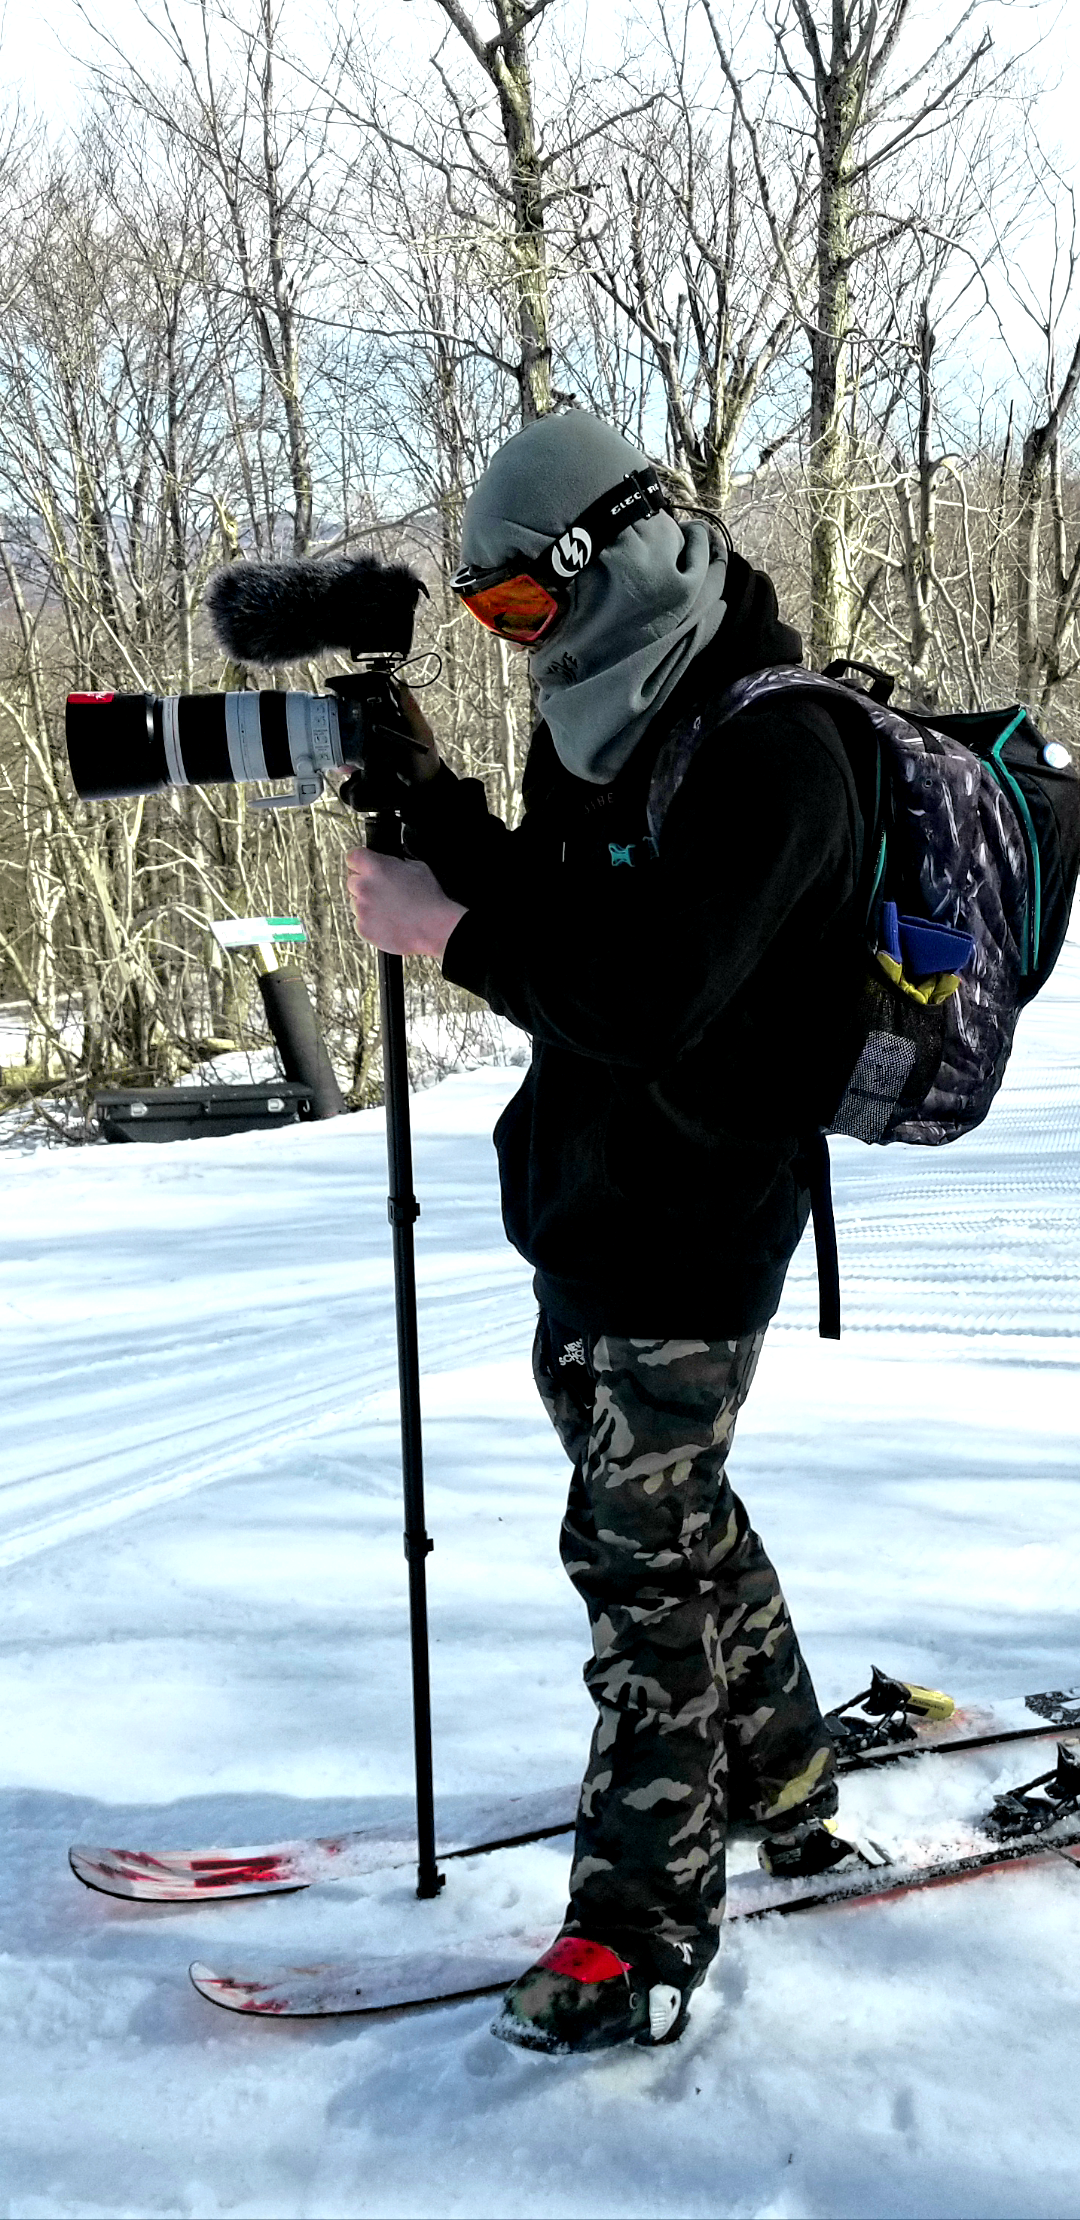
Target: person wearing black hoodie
(679,987)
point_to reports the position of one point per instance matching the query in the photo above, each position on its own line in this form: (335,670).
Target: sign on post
(260,933)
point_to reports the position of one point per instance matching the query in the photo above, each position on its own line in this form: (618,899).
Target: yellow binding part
(928,1703)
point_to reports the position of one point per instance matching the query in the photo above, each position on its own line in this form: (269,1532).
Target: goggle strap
(638,495)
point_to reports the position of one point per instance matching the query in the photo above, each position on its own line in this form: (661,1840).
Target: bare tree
(674,236)
(842,62)
(504,58)
(1047,568)
(263,151)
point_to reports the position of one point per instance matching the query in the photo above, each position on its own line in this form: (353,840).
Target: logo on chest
(634,852)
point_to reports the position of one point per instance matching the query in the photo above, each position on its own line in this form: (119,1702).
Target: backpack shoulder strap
(847,721)
(819,1180)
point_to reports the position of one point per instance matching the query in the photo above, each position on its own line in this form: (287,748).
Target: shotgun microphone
(272,613)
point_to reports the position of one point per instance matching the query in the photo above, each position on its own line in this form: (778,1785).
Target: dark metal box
(197,1113)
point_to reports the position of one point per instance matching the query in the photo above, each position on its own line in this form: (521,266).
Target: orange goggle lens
(517,608)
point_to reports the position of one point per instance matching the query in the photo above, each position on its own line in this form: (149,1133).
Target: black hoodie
(686,1007)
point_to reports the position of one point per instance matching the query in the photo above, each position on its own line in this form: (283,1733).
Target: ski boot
(1037,1804)
(801,1853)
(581,1996)
(881,1715)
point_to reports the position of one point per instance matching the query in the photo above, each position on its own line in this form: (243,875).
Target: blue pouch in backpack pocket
(922,948)
(927,948)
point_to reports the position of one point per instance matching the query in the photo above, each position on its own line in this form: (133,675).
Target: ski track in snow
(264,1346)
(205,1639)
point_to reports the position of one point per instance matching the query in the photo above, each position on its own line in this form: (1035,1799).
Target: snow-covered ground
(204,1638)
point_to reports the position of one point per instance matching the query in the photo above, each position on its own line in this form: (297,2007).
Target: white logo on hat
(571,553)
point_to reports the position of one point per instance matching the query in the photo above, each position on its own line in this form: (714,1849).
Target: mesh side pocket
(900,1044)
(875,1091)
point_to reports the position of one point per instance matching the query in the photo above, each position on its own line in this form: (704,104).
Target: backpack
(972,856)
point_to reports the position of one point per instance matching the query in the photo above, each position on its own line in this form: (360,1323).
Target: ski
(462,1970)
(890,1720)
(371,1984)
(279,1868)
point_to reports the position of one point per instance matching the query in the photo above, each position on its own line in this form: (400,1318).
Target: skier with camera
(677,968)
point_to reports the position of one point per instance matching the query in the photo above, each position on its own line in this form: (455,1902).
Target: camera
(121,745)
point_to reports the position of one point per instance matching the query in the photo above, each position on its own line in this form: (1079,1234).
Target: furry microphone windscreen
(283,612)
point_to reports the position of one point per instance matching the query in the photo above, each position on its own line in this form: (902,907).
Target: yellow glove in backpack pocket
(923,959)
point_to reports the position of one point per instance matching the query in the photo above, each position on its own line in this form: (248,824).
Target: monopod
(384,834)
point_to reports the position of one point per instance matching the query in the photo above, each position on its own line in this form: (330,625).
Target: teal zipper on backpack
(879,872)
(1008,784)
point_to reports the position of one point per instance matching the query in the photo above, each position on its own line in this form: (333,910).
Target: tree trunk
(918,532)
(505,59)
(1030,496)
(830,496)
(514,85)
(508,731)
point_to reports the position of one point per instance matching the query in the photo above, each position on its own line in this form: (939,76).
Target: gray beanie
(647,604)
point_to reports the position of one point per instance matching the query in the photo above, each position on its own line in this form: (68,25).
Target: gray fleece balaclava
(648,603)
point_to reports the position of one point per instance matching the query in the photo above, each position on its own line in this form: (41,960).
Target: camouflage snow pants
(696,1674)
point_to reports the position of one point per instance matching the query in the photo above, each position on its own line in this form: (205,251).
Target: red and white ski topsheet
(436,1976)
(200,1876)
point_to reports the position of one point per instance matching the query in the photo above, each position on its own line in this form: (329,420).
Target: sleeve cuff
(465,957)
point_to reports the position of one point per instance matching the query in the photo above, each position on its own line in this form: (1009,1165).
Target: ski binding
(881,1716)
(1039,1804)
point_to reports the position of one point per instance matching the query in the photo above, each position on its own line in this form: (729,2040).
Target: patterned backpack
(974,851)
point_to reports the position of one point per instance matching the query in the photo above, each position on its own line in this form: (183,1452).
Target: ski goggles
(522,599)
